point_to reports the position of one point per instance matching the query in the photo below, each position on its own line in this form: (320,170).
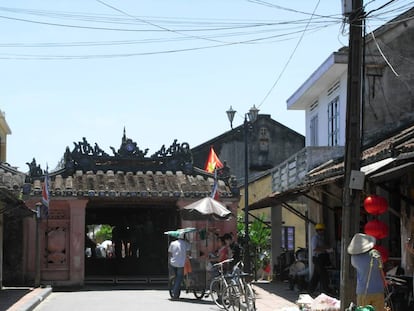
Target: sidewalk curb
(31,300)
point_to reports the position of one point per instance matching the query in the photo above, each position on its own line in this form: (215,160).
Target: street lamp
(249,118)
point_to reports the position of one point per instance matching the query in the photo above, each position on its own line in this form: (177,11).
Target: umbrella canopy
(206,208)
(176,233)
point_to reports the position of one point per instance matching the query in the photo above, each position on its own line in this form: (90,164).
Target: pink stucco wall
(62,234)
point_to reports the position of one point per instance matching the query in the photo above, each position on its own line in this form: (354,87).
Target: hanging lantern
(376,228)
(383,252)
(375,204)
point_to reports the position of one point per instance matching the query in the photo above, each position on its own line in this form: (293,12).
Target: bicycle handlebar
(223,262)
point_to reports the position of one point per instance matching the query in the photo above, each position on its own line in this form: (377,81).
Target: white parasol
(205,209)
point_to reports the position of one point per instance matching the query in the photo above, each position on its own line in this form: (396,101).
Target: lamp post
(249,118)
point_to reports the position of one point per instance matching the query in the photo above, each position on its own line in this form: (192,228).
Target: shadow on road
(280,289)
(9,296)
(204,301)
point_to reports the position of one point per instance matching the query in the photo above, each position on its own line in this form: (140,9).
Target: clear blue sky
(163,69)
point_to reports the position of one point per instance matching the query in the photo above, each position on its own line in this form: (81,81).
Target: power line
(282,36)
(289,59)
(153,24)
(241,34)
(300,39)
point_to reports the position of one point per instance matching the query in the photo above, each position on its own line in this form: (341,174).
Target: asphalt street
(123,299)
(271,296)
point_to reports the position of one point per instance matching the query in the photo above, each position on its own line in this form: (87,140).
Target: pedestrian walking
(177,253)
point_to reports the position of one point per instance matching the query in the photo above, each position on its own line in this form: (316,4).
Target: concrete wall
(4,131)
(269,142)
(322,112)
(389,100)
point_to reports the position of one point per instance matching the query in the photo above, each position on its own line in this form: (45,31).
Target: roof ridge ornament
(129,157)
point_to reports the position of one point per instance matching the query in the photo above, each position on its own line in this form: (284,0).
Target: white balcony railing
(292,172)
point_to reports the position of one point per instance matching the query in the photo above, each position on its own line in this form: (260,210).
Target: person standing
(177,253)
(368,264)
(321,260)
(234,249)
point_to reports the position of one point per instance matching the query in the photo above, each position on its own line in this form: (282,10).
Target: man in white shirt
(177,252)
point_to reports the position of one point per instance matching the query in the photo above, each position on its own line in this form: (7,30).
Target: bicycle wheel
(171,283)
(199,293)
(216,292)
(249,298)
(231,298)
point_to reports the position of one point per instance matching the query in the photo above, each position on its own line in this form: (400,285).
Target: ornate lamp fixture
(230,115)
(249,118)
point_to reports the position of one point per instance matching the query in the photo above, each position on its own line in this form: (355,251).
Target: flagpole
(45,203)
(37,246)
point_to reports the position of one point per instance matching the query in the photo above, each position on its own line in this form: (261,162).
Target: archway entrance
(125,241)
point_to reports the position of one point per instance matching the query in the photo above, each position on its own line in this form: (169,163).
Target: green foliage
(104,233)
(260,233)
(240,226)
(260,237)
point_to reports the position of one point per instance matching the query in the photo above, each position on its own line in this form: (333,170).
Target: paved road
(272,296)
(123,299)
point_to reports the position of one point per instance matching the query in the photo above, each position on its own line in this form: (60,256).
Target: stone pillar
(276,222)
(77,241)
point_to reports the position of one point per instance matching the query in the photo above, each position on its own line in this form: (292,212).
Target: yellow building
(4,131)
(292,229)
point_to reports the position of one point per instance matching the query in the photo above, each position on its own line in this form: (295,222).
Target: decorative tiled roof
(91,172)
(130,184)
(116,184)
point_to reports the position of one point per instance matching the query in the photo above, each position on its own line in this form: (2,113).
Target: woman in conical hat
(368,264)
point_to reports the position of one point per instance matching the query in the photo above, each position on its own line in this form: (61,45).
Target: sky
(161,69)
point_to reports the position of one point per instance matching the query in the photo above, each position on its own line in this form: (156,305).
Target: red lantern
(376,228)
(375,204)
(383,252)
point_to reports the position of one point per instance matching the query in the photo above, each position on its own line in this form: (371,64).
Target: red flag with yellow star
(213,162)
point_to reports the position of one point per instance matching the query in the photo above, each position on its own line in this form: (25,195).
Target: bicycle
(399,292)
(199,293)
(219,283)
(239,292)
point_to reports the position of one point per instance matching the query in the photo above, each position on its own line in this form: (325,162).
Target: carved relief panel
(56,239)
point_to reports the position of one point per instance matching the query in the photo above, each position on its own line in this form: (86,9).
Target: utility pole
(352,195)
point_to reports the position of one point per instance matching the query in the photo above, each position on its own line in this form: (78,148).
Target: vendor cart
(195,267)
(202,239)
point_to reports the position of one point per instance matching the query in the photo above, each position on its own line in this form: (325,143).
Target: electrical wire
(213,24)
(312,15)
(379,8)
(382,54)
(156,25)
(289,60)
(236,32)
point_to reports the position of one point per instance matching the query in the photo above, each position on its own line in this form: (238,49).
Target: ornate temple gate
(127,191)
